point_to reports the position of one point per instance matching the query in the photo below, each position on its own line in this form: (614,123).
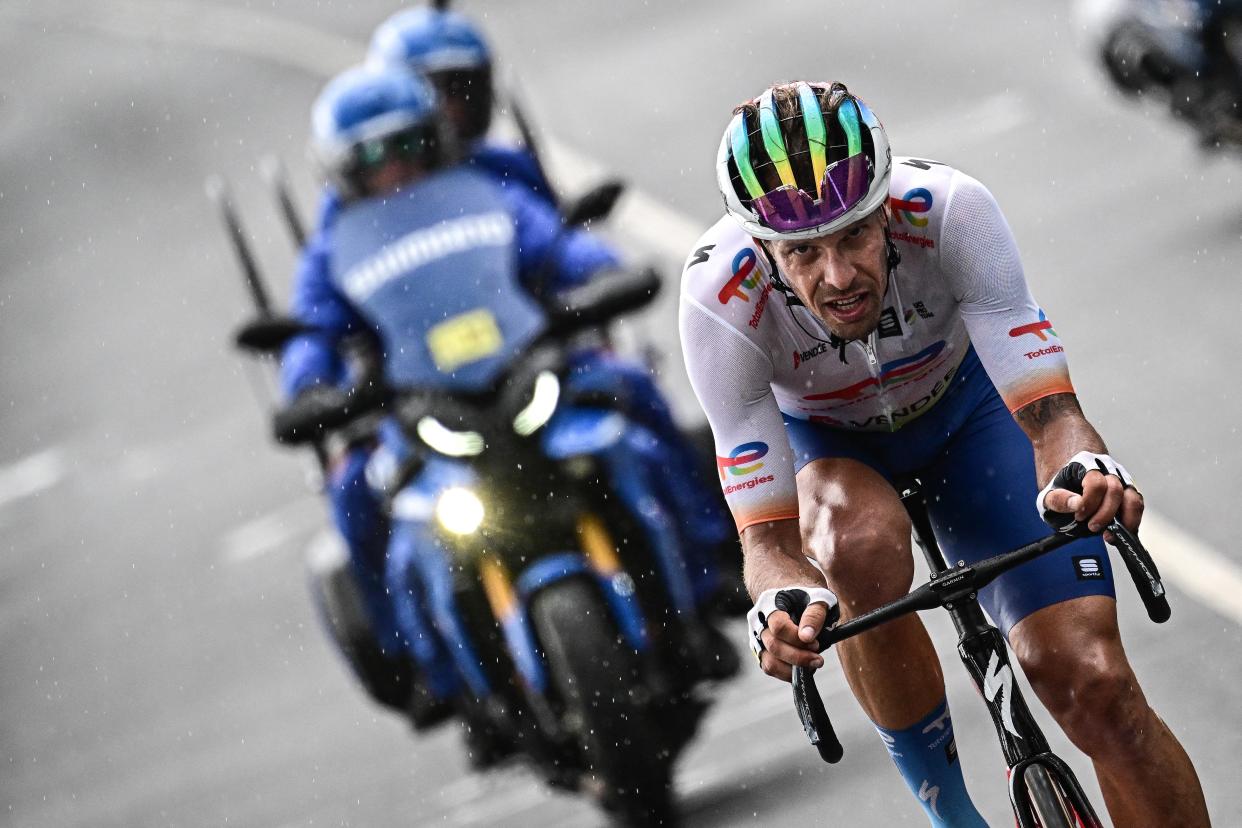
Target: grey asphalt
(160,663)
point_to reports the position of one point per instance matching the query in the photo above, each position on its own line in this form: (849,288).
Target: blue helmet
(360,112)
(429,41)
(446,48)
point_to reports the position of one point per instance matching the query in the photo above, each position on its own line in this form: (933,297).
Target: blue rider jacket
(546,253)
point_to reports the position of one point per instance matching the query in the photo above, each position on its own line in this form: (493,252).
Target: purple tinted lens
(845,183)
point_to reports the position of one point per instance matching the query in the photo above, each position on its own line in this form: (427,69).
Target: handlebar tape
(810,705)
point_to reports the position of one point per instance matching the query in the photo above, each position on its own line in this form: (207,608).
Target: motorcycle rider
(378,129)
(899,337)
(449,50)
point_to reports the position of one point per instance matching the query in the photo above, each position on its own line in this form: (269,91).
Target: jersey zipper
(873,365)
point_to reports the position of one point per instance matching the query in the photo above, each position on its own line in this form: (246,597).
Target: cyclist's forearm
(773,557)
(1057,430)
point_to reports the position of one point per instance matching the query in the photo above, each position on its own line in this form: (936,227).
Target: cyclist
(855,318)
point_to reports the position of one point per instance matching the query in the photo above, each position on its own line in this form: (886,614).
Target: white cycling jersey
(750,358)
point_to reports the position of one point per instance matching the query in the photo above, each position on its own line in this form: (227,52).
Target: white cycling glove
(1070,477)
(757,618)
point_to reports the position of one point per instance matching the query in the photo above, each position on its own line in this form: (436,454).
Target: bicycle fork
(983,651)
(1026,751)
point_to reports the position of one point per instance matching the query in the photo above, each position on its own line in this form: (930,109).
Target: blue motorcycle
(559,581)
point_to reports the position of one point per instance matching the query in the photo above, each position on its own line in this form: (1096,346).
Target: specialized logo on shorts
(743,460)
(892,374)
(744,277)
(1040,329)
(1088,568)
(918,200)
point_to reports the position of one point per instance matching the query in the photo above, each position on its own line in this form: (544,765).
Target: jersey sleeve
(1012,335)
(731,377)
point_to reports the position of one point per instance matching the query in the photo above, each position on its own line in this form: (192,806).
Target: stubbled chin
(858,328)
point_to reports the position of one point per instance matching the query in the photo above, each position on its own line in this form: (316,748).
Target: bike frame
(982,650)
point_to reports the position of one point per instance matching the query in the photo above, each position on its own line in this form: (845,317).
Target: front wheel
(597,678)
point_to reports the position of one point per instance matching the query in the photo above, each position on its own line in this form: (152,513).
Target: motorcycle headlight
(459,510)
(541,407)
(448,442)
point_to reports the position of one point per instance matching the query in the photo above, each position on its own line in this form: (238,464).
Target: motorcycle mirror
(595,204)
(268,334)
(600,300)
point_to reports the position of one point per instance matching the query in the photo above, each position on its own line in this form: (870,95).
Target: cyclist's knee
(865,554)
(1093,694)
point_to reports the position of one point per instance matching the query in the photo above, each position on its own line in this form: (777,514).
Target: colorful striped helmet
(803,160)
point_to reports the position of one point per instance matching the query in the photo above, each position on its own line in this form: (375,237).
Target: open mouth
(847,309)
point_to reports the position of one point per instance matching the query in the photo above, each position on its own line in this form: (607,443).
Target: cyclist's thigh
(852,521)
(981,498)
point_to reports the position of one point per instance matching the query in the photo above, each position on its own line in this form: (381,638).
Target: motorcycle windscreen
(434,269)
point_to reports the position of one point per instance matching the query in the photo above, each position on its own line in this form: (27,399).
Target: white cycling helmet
(803,160)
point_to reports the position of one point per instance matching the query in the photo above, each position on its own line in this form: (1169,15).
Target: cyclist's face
(841,276)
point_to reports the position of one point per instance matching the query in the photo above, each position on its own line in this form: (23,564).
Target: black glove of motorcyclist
(306,417)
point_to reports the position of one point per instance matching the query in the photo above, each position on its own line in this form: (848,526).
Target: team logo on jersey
(918,200)
(745,277)
(892,374)
(1039,329)
(742,461)
(800,357)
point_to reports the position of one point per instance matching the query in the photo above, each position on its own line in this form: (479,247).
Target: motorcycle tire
(338,600)
(596,676)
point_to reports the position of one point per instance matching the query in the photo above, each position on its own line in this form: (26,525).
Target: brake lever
(1142,570)
(807,700)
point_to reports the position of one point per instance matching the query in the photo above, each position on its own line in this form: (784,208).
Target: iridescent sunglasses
(841,185)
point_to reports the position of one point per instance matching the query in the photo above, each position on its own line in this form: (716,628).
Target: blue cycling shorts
(977,469)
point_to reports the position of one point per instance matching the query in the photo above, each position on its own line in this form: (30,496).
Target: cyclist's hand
(1087,493)
(778,643)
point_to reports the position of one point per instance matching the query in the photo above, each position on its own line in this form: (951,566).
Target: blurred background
(160,661)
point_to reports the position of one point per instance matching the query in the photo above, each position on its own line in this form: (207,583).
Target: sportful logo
(918,200)
(1038,329)
(1000,682)
(891,374)
(743,460)
(744,276)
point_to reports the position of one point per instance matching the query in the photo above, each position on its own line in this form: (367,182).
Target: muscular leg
(854,524)
(1072,654)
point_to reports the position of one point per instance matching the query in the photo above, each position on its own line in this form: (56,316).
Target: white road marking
(1202,572)
(273,530)
(31,475)
(1198,570)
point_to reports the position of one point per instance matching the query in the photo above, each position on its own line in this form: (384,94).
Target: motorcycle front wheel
(597,677)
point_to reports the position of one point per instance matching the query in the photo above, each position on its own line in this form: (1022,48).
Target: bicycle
(1043,791)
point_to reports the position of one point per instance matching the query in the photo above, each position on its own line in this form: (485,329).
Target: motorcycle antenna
(529,140)
(277,179)
(218,192)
